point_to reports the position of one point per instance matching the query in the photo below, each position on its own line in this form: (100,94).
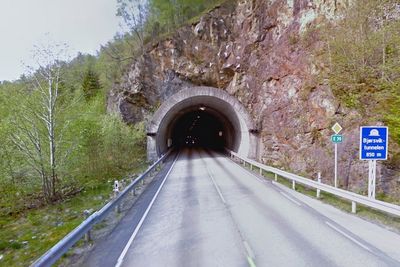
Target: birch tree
(38,132)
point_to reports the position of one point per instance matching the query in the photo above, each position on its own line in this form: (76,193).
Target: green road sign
(337,138)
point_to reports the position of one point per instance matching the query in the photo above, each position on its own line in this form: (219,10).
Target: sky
(83,24)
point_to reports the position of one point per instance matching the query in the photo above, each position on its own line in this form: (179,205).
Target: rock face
(262,53)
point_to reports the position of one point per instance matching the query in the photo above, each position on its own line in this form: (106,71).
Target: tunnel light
(198,117)
(202,108)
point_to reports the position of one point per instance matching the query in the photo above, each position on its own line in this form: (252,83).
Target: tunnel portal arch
(236,123)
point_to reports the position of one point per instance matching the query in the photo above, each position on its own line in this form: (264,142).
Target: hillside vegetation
(362,53)
(60,149)
(90,144)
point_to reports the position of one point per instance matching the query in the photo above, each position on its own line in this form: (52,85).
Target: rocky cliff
(264,53)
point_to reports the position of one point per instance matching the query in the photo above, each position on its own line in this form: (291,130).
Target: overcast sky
(83,24)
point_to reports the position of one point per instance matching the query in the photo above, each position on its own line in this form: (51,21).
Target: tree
(363,49)
(363,55)
(134,16)
(174,13)
(90,84)
(38,131)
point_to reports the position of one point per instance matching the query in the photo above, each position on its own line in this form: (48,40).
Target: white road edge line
(273,182)
(122,256)
(291,199)
(349,237)
(216,186)
(260,180)
(249,250)
(263,181)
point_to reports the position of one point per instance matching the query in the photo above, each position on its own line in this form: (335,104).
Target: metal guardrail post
(353,207)
(116,193)
(59,249)
(261,172)
(88,236)
(276,177)
(319,181)
(132,192)
(355,198)
(293,184)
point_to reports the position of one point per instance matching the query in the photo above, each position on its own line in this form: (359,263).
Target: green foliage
(363,55)
(167,15)
(151,20)
(90,84)
(106,145)
(392,116)
(44,227)
(143,23)
(95,146)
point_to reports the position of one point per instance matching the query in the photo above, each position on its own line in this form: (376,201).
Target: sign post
(336,138)
(373,147)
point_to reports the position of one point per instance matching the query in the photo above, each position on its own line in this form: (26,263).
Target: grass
(208,9)
(26,237)
(366,213)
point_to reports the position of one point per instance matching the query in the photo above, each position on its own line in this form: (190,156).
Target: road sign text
(373,142)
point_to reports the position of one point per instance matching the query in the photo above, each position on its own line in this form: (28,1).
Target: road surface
(209,211)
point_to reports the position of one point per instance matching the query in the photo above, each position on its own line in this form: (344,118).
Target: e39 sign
(373,142)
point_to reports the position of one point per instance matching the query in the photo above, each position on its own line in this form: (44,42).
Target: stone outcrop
(262,53)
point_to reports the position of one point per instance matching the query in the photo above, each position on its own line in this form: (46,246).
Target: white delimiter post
(319,181)
(335,164)
(371,178)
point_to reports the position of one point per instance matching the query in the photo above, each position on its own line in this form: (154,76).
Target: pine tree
(91,84)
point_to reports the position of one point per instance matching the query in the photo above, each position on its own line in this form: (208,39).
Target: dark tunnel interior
(202,121)
(202,117)
(199,129)
(201,126)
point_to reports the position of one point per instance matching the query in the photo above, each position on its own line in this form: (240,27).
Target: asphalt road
(211,212)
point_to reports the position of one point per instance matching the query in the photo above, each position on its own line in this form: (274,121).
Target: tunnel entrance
(201,117)
(202,127)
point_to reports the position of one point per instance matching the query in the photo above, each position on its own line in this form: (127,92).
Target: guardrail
(351,196)
(53,254)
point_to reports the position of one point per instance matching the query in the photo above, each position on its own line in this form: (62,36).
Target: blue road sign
(373,142)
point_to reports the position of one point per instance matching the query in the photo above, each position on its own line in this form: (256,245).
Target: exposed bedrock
(261,53)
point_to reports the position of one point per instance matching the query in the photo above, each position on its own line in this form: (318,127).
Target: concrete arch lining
(224,106)
(230,121)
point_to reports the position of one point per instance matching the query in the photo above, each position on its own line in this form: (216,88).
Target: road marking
(348,236)
(216,186)
(251,262)
(122,256)
(273,182)
(261,180)
(249,250)
(291,199)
